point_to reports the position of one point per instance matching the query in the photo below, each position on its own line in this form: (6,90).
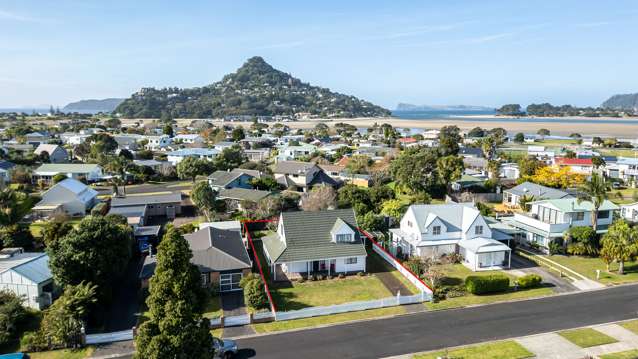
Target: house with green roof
(306,243)
(549,219)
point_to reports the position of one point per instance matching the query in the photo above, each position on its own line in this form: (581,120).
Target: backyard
(587,266)
(454,277)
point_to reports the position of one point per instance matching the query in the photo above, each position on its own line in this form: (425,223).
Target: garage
(229,282)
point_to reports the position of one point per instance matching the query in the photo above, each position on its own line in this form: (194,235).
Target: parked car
(14,356)
(224,348)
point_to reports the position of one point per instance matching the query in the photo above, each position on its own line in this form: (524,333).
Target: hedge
(493,283)
(529,281)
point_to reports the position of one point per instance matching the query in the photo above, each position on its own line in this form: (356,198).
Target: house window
(436,230)
(344,237)
(478,230)
(410,224)
(579,216)
(229,282)
(603,214)
(351,260)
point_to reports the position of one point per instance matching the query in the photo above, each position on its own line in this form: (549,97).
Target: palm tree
(13,206)
(118,165)
(525,200)
(594,191)
(619,244)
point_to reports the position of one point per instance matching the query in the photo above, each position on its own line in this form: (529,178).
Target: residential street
(441,329)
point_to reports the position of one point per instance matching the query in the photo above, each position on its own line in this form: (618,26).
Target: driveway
(233,305)
(434,330)
(525,266)
(123,312)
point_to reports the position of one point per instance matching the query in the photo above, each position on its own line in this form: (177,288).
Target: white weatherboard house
(70,196)
(315,242)
(549,219)
(629,212)
(27,275)
(430,231)
(90,172)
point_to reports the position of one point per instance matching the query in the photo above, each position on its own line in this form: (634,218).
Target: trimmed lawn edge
(586,337)
(506,349)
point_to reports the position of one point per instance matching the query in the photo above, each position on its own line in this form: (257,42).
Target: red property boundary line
(261,271)
(375,243)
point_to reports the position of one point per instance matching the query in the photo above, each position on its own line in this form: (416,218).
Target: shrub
(529,281)
(254,291)
(555,248)
(494,283)
(100,209)
(33,342)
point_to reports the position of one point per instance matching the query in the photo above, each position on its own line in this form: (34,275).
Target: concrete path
(233,305)
(551,346)
(587,284)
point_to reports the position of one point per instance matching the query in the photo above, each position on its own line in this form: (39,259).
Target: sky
(424,52)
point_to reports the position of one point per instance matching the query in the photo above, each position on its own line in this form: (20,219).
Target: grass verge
(587,337)
(497,350)
(328,319)
(631,326)
(629,354)
(64,354)
(587,266)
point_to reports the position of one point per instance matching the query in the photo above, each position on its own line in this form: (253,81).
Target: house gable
(483,229)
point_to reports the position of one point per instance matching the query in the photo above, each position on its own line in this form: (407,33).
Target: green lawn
(327,319)
(64,354)
(497,350)
(327,292)
(587,266)
(629,354)
(622,196)
(587,337)
(37,227)
(455,275)
(213,307)
(618,152)
(631,326)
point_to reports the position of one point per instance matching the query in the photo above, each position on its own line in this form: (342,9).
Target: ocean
(466,116)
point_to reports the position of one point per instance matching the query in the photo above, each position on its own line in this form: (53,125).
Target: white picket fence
(102,338)
(353,306)
(399,267)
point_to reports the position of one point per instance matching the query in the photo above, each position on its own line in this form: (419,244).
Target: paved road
(440,329)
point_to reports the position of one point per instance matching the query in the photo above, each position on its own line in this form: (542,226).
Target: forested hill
(628,102)
(256,89)
(105,105)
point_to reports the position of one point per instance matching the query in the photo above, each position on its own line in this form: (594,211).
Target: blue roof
(194,152)
(36,270)
(627,161)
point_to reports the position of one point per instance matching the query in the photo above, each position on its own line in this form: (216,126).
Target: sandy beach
(622,128)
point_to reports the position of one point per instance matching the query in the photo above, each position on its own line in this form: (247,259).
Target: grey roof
(216,250)
(321,178)
(471,151)
(293,167)
(223,178)
(538,191)
(308,237)
(243,194)
(453,215)
(143,200)
(33,266)
(148,163)
(129,211)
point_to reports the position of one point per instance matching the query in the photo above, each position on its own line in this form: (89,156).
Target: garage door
(229,282)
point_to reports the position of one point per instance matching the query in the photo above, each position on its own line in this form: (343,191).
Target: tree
(14,205)
(619,244)
(594,191)
(529,165)
(191,167)
(394,208)
(598,161)
(168,130)
(319,198)
(12,313)
(519,137)
(175,328)
(510,110)
(97,251)
(58,178)
(581,240)
(55,230)
(113,122)
(16,235)
(449,139)
(476,132)
(488,147)
(449,169)
(63,321)
(118,165)
(264,183)
(563,178)
(254,291)
(230,158)
(204,198)
(525,200)
(238,134)
(414,170)
(543,132)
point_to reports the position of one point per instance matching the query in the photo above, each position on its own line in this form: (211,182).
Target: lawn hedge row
(493,283)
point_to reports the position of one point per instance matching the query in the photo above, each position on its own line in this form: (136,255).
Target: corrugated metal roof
(33,266)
